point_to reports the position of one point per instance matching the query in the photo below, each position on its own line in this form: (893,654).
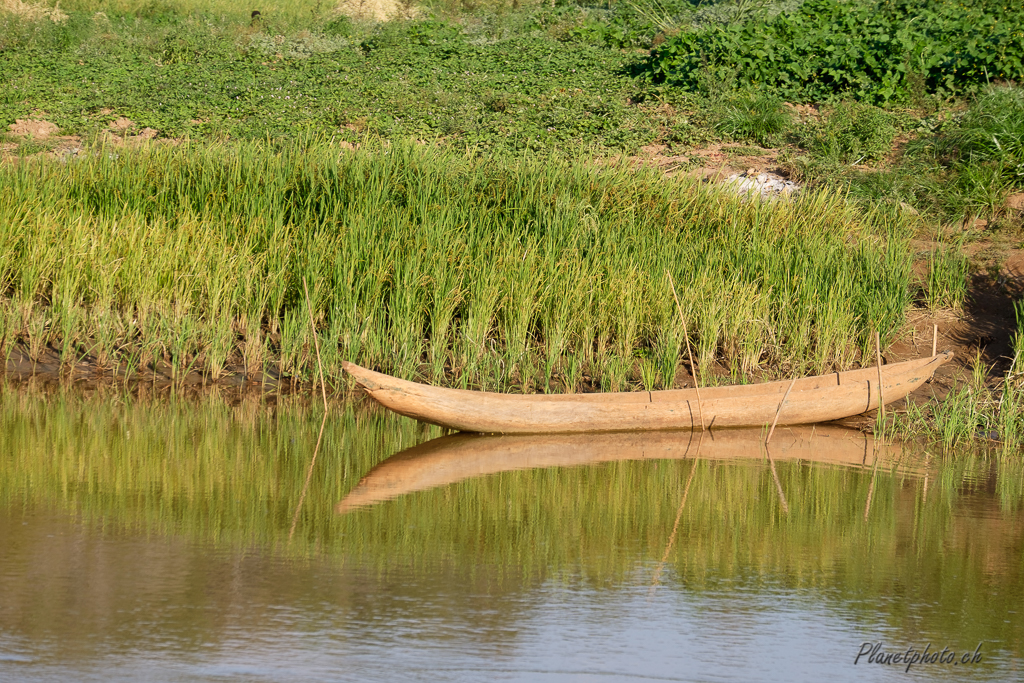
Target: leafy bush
(871,50)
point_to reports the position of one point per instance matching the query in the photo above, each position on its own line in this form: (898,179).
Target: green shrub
(873,50)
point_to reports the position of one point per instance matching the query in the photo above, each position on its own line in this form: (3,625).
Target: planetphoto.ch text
(872,653)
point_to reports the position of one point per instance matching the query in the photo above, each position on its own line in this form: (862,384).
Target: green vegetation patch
(431,265)
(875,51)
(961,162)
(201,76)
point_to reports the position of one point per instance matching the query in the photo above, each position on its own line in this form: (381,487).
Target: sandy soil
(376,10)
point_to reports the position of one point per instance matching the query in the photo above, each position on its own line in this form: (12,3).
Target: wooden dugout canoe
(812,399)
(457,457)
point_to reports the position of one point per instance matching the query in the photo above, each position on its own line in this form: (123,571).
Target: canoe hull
(813,399)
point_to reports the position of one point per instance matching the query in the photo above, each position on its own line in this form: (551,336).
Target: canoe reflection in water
(450,459)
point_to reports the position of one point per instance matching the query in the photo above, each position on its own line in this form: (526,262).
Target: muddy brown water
(170,540)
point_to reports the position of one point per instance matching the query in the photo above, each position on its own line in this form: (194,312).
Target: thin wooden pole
(935,340)
(323,423)
(686,336)
(675,530)
(878,362)
(779,411)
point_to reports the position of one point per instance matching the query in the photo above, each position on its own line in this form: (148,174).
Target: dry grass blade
(871,489)
(778,484)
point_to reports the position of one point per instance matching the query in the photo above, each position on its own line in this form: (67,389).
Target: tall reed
(514,274)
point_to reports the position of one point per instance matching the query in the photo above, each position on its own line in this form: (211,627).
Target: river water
(174,540)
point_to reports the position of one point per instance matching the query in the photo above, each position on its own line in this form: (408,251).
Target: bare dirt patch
(121,125)
(37,130)
(805,112)
(376,10)
(713,162)
(123,130)
(1015,202)
(42,138)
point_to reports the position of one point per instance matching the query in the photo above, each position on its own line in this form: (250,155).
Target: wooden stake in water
(779,411)
(686,336)
(878,362)
(323,423)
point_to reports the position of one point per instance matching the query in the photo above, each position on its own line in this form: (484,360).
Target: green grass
(961,164)
(991,130)
(428,264)
(508,77)
(948,277)
(850,133)
(758,118)
(492,255)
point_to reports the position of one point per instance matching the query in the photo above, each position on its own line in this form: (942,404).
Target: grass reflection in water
(943,533)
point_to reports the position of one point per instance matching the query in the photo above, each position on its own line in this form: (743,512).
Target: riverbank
(492,198)
(185,265)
